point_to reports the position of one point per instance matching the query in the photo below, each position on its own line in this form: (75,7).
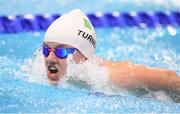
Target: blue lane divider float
(21,23)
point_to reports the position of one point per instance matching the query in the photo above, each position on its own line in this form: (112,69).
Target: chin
(53,82)
(53,78)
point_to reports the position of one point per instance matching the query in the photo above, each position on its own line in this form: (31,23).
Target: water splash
(92,74)
(87,75)
(33,69)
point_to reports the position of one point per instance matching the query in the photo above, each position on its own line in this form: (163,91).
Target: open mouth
(52,72)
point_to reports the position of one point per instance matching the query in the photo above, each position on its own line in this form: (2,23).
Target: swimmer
(73,34)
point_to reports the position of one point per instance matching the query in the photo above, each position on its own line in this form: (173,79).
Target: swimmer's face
(56,67)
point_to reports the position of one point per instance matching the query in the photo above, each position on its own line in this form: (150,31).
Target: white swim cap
(75,29)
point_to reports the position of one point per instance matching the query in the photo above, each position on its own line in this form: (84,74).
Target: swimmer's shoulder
(120,65)
(108,62)
(114,64)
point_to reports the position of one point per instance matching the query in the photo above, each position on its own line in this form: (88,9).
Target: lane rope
(29,22)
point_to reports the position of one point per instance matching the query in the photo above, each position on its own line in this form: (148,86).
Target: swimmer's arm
(130,75)
(157,78)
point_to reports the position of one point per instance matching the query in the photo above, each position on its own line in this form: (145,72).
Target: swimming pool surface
(23,86)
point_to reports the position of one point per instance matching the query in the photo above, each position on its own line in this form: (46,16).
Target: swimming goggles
(61,53)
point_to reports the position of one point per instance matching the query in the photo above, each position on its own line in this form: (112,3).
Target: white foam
(91,73)
(34,69)
(159,95)
(172,31)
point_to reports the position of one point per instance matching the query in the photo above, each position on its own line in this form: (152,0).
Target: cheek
(45,61)
(62,64)
(78,57)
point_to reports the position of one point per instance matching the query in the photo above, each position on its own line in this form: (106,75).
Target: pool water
(22,93)
(23,83)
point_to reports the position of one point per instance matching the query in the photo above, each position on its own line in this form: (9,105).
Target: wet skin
(126,74)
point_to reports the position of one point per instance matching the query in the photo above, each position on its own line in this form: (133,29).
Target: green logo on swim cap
(87,24)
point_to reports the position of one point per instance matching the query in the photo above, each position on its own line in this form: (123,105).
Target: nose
(51,59)
(51,55)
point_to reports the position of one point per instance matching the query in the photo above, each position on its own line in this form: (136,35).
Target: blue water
(151,47)
(60,6)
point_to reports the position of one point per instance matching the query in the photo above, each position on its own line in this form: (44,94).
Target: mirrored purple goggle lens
(45,51)
(59,52)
